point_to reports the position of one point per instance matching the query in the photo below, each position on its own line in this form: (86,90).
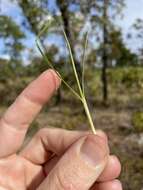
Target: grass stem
(81,94)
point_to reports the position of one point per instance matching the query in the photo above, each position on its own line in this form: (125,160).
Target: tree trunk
(58,97)
(63,6)
(105,54)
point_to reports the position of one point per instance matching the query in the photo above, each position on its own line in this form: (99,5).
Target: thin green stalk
(73,64)
(89,116)
(39,46)
(81,95)
(44,29)
(83,62)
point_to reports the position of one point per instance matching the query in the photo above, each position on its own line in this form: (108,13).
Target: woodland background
(113,71)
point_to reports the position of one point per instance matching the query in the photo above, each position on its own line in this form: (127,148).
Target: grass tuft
(81,90)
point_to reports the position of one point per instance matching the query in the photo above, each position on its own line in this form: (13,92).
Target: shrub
(137,121)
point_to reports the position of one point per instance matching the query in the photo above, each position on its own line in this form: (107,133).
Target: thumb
(80,166)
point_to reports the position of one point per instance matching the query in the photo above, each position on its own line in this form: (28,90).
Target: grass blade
(81,95)
(40,48)
(78,83)
(83,63)
(73,63)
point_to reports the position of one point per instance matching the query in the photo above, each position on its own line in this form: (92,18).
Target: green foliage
(74,122)
(138,26)
(132,77)
(137,120)
(35,12)
(119,52)
(12,35)
(11,87)
(128,76)
(9,28)
(93,83)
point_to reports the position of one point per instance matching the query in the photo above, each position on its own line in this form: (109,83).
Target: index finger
(15,122)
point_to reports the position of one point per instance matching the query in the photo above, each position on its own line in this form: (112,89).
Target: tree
(138,27)
(119,54)
(11,34)
(36,13)
(64,9)
(105,55)
(110,10)
(107,10)
(100,14)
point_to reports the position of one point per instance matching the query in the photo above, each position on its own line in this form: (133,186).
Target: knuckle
(42,132)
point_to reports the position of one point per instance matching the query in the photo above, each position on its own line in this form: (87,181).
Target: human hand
(54,159)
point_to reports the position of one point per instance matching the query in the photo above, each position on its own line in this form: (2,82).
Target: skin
(55,158)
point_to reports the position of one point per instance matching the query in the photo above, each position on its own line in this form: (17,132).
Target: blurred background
(113,68)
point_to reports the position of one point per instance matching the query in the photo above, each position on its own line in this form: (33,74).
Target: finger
(16,120)
(103,135)
(48,141)
(111,185)
(80,166)
(111,171)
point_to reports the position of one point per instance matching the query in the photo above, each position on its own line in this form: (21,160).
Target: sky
(133,10)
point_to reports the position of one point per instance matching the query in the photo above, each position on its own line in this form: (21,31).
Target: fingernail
(56,78)
(92,151)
